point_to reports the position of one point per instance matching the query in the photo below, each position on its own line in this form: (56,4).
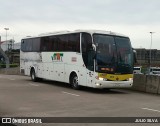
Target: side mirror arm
(135,56)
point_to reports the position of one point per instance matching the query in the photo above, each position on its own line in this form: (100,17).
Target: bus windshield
(114,54)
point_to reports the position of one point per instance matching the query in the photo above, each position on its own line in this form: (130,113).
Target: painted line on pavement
(33,84)
(11,79)
(70,93)
(151,109)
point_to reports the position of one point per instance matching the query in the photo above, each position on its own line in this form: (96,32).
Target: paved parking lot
(20,97)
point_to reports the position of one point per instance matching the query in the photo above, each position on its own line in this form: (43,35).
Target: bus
(92,58)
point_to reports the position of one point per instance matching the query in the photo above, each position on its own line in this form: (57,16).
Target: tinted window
(45,44)
(23,45)
(68,42)
(26,45)
(87,51)
(30,45)
(106,50)
(114,54)
(86,42)
(36,45)
(63,43)
(74,42)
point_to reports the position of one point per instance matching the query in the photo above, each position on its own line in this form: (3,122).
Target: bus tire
(106,89)
(74,82)
(33,75)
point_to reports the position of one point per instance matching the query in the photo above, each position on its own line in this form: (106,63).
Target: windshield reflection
(114,54)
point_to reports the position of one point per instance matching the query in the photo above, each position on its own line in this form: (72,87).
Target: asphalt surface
(20,97)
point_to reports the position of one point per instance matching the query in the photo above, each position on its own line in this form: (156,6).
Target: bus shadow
(82,88)
(103,91)
(54,83)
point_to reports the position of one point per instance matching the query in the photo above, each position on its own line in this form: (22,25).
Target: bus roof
(77,31)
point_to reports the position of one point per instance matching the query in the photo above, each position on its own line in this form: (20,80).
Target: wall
(10,71)
(146,83)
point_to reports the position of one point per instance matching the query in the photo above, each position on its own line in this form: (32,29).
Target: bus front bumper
(113,84)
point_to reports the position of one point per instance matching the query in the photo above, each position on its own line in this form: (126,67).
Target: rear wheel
(74,82)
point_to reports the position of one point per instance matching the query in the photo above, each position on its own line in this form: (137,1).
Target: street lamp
(140,55)
(6,36)
(150,49)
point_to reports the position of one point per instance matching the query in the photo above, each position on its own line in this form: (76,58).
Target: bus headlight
(103,79)
(130,79)
(100,78)
(97,84)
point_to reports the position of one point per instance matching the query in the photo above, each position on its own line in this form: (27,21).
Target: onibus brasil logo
(57,57)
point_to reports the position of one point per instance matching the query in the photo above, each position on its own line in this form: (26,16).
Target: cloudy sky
(134,18)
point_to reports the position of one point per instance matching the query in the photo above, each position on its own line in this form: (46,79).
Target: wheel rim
(75,81)
(33,75)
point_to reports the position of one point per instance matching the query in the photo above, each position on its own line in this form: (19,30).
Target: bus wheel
(106,89)
(33,75)
(74,82)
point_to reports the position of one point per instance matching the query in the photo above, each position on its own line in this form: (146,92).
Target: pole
(140,55)
(6,37)
(150,50)
(5,55)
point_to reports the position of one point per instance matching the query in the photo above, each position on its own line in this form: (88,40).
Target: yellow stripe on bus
(114,77)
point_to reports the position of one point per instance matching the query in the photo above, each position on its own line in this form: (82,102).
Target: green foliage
(10,65)
(144,69)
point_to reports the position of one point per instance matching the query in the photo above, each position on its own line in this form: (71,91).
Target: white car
(137,70)
(154,71)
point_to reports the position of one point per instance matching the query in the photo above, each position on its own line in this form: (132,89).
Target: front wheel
(74,82)
(33,75)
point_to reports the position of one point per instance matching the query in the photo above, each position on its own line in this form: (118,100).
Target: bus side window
(28,45)
(74,42)
(36,45)
(23,45)
(44,44)
(86,51)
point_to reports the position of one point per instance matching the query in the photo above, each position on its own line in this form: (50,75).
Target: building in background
(10,45)
(143,57)
(12,50)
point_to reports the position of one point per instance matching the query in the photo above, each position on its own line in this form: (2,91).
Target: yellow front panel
(114,77)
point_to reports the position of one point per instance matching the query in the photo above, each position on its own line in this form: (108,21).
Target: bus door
(88,58)
(90,68)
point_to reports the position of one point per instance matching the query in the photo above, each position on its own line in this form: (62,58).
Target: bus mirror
(93,51)
(94,47)
(135,56)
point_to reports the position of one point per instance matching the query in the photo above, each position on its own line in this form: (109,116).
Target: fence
(10,71)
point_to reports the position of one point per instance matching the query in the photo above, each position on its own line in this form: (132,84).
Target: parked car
(154,71)
(137,70)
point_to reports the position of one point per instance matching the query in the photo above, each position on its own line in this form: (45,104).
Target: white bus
(91,58)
